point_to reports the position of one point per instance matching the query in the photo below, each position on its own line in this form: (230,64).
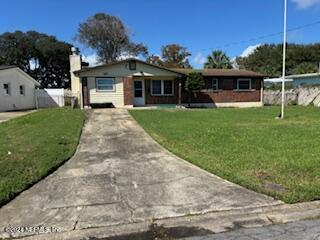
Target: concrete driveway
(119,175)
(5,116)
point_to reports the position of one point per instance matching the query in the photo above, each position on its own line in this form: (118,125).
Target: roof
(308,75)
(4,67)
(122,61)
(220,72)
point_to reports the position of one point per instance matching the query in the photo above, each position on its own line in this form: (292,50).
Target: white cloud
(302,4)
(249,50)
(91,59)
(199,59)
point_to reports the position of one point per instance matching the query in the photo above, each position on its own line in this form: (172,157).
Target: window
(105,84)
(244,84)
(132,65)
(168,87)
(21,89)
(162,87)
(6,88)
(212,84)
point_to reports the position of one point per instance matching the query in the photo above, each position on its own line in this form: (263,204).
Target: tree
(43,57)
(175,56)
(218,59)
(267,59)
(194,82)
(109,37)
(155,60)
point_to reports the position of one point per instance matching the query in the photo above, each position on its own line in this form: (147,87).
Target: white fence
(46,98)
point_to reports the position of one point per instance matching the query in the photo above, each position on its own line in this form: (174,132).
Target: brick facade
(162,99)
(227,93)
(128,91)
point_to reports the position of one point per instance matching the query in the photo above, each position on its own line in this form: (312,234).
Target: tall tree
(267,59)
(109,37)
(43,57)
(218,59)
(175,56)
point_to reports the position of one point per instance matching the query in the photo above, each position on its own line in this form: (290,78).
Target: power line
(262,37)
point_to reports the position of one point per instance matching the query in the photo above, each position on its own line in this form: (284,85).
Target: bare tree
(109,37)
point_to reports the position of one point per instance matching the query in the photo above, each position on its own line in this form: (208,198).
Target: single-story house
(132,82)
(17,89)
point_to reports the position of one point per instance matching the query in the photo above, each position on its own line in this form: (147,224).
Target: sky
(234,26)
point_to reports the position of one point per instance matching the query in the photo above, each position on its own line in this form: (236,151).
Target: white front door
(138,92)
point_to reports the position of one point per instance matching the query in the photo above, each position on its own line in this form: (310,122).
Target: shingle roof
(220,72)
(4,67)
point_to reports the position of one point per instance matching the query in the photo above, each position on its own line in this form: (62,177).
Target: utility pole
(284,58)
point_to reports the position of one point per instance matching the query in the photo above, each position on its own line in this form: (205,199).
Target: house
(17,89)
(133,82)
(309,79)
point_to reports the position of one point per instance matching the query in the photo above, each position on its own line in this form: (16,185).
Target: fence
(47,98)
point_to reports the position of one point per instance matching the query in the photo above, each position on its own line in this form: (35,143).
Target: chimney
(75,65)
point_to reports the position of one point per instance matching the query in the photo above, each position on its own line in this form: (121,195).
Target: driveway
(5,116)
(119,175)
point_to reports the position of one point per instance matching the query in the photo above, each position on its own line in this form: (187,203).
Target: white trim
(217,84)
(106,78)
(162,94)
(244,79)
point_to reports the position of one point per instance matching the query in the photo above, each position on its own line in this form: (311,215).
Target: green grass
(34,145)
(249,147)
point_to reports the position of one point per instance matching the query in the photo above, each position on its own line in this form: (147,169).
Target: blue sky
(200,25)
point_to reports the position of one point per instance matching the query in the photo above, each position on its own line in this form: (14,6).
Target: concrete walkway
(5,116)
(119,175)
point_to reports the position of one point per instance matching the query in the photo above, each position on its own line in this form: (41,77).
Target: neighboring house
(134,82)
(17,89)
(309,79)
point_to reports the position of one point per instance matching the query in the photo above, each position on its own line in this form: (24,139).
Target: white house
(17,89)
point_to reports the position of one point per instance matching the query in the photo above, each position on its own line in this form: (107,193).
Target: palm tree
(218,59)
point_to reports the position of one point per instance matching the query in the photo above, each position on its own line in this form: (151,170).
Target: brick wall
(128,91)
(225,94)
(162,99)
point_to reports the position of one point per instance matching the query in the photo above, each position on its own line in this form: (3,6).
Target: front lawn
(249,147)
(34,145)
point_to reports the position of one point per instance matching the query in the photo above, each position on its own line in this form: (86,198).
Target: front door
(138,92)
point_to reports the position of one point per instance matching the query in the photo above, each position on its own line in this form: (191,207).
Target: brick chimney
(75,65)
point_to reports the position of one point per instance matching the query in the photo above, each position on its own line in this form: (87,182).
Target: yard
(249,147)
(34,145)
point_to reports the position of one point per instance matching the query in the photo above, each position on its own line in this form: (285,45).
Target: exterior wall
(128,91)
(306,81)
(15,101)
(227,93)
(115,97)
(162,99)
(75,64)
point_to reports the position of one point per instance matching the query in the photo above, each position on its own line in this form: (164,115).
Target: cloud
(199,59)
(249,50)
(302,4)
(91,59)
